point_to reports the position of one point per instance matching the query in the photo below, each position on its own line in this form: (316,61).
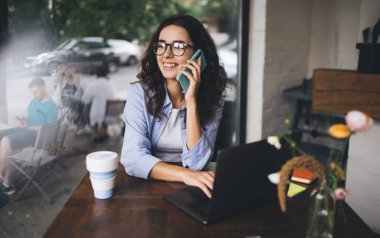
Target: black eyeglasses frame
(171,47)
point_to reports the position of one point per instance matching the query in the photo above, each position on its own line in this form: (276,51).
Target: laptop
(241,183)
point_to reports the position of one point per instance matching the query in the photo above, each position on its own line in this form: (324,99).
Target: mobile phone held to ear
(182,79)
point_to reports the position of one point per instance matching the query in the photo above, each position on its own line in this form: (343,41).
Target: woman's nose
(168,52)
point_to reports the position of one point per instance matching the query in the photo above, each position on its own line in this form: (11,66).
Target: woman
(162,123)
(68,86)
(68,93)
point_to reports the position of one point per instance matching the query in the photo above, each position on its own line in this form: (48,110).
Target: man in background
(41,110)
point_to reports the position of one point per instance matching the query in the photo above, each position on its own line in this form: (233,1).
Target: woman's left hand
(195,80)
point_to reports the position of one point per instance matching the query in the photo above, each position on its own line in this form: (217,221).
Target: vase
(320,223)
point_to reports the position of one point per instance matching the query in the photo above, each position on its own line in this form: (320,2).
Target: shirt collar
(167,99)
(168,102)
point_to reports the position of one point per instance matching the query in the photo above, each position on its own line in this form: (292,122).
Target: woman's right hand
(201,179)
(169,172)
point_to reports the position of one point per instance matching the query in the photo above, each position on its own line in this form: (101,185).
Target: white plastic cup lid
(101,160)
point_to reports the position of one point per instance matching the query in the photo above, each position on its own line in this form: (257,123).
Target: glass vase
(321,215)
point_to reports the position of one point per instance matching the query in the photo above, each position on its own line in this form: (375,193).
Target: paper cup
(102,167)
(104,175)
(103,188)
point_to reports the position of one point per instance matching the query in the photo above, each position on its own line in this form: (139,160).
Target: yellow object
(339,131)
(295,189)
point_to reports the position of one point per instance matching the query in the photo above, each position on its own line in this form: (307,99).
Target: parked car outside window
(127,52)
(86,54)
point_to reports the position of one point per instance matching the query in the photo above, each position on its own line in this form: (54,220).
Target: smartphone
(182,79)
(21,120)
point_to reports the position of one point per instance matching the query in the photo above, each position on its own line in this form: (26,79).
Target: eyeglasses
(177,48)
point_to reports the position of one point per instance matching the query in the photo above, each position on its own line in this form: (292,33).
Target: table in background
(138,209)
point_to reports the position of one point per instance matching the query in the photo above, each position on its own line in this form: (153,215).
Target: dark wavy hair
(214,77)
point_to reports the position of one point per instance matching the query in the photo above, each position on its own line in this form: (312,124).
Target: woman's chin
(170,76)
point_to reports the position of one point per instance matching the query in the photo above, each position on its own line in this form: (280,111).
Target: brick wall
(287,47)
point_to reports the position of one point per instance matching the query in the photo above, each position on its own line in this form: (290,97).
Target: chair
(114,110)
(114,120)
(44,154)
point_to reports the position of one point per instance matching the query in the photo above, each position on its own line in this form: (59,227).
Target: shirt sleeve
(88,94)
(136,154)
(201,153)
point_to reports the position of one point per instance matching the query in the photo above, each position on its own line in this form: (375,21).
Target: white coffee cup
(102,166)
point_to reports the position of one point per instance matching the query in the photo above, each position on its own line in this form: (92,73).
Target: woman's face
(169,63)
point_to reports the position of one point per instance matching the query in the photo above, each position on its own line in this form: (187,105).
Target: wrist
(184,174)
(191,104)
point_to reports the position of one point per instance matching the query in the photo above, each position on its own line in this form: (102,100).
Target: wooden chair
(31,161)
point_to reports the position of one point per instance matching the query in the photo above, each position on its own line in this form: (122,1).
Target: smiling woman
(163,124)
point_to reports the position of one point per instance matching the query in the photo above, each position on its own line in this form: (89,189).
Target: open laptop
(241,183)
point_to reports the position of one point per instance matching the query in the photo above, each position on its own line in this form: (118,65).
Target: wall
(256,61)
(335,27)
(369,15)
(291,38)
(287,37)
(363,176)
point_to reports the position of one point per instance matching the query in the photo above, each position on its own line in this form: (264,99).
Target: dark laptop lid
(241,181)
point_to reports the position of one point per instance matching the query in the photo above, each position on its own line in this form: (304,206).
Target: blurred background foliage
(58,20)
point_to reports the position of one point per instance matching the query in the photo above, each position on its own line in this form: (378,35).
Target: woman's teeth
(169,65)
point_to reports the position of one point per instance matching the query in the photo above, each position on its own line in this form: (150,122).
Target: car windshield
(66,45)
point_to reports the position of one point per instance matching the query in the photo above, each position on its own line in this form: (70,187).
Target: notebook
(241,183)
(303,175)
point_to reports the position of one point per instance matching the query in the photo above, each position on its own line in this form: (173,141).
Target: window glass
(45,37)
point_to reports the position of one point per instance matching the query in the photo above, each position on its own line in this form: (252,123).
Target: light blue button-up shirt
(142,131)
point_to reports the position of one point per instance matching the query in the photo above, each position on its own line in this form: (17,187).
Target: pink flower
(358,121)
(340,193)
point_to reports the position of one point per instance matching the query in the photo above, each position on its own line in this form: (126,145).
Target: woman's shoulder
(135,90)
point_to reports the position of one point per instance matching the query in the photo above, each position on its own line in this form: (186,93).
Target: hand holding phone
(22,120)
(182,79)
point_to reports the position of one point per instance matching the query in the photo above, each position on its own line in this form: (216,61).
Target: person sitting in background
(68,93)
(41,110)
(97,93)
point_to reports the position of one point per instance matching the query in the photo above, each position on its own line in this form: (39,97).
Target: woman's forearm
(167,172)
(193,126)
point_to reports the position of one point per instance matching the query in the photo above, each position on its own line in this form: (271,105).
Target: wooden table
(138,209)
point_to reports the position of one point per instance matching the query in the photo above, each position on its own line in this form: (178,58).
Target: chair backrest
(115,107)
(47,137)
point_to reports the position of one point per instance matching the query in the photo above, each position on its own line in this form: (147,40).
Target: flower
(340,193)
(358,121)
(331,175)
(274,140)
(339,131)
